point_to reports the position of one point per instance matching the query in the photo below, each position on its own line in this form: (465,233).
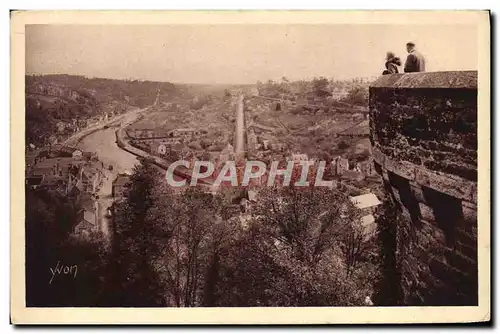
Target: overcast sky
(240,53)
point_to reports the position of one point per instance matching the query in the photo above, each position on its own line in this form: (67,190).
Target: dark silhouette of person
(415,61)
(391,63)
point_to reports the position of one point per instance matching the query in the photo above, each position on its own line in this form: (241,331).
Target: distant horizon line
(200,83)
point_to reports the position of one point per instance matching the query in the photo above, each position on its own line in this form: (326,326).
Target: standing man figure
(415,61)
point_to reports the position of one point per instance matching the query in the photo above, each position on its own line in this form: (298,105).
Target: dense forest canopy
(299,248)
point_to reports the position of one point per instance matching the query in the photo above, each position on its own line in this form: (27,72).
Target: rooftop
(252,195)
(52,180)
(365,201)
(34,180)
(59,161)
(88,216)
(63,148)
(351,174)
(121,180)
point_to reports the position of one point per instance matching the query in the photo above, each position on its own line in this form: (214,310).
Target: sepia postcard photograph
(250,167)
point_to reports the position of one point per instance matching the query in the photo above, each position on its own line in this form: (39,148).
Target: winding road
(239,144)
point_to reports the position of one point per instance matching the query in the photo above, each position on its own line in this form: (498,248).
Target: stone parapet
(423,130)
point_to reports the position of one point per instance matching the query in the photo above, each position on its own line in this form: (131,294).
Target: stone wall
(423,129)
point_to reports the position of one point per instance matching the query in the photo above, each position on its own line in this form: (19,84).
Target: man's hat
(410,44)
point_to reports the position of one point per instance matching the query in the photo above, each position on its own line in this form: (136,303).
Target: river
(103,143)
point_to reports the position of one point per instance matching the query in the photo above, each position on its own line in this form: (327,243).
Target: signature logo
(63,270)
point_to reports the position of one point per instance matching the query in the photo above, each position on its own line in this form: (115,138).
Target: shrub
(357,95)
(343,145)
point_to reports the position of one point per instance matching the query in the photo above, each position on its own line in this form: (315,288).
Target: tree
(224,234)
(353,246)
(167,244)
(50,244)
(40,124)
(342,145)
(188,260)
(320,87)
(358,95)
(136,241)
(289,256)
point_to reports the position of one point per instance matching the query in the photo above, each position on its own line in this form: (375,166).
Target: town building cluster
(72,174)
(179,144)
(344,169)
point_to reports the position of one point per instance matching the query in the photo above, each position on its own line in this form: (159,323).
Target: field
(315,134)
(212,115)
